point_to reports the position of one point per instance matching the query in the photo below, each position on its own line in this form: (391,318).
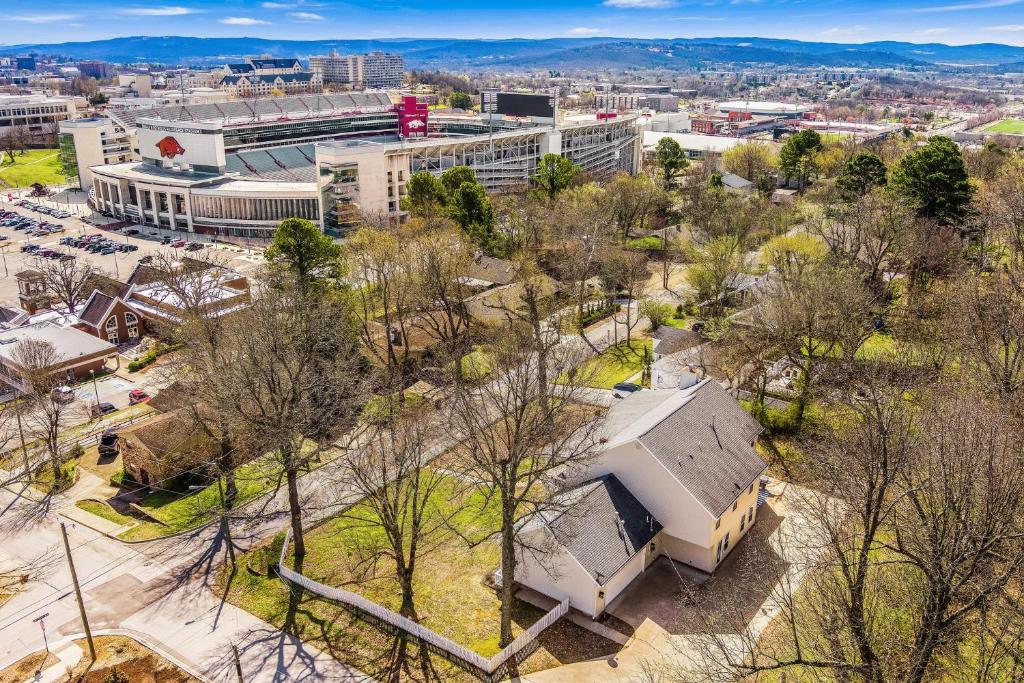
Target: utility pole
(238,663)
(78,592)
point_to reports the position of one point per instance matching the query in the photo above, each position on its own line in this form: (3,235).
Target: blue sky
(946,21)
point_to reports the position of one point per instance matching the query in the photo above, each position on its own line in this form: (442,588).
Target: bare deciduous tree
(68,281)
(47,412)
(290,381)
(516,452)
(398,496)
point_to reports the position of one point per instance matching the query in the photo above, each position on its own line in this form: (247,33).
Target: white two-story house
(677,475)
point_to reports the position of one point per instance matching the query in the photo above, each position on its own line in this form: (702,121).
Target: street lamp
(95,390)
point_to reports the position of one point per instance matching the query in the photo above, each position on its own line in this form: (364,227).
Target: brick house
(109,317)
(158,450)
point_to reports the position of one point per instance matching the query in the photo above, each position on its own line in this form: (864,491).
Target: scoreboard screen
(523,104)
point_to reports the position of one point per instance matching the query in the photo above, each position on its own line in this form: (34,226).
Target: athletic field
(1006,127)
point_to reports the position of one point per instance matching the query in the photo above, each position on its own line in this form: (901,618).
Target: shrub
(592,313)
(649,243)
(656,311)
(151,356)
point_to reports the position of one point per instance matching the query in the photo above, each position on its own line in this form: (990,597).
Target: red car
(137,396)
(178,243)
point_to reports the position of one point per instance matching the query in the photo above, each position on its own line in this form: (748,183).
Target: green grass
(451,597)
(105,511)
(378,409)
(477,364)
(45,482)
(649,243)
(34,166)
(1006,126)
(680,322)
(180,512)
(615,364)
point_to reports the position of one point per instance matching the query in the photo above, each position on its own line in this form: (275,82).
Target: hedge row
(152,355)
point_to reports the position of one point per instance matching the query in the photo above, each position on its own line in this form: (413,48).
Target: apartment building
(38,114)
(375,70)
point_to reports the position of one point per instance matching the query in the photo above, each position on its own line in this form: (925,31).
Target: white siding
(560,577)
(624,576)
(668,500)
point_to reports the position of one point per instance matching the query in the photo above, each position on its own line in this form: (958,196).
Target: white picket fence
(426,636)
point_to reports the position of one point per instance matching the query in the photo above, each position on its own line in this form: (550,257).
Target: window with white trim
(131,321)
(112,330)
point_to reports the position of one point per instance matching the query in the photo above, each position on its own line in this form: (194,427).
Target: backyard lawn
(33,166)
(615,364)
(451,596)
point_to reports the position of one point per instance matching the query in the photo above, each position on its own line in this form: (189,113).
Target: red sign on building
(169,148)
(412,117)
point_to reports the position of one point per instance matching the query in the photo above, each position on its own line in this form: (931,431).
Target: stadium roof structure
(269,109)
(270,78)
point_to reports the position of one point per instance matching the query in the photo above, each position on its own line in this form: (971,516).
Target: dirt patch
(137,662)
(26,667)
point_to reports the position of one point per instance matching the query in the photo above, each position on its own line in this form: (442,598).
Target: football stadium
(236,169)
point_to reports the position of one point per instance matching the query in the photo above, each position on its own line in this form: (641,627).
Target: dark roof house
(604,526)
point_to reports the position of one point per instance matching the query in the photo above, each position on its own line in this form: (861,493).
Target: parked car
(166,239)
(108,444)
(137,396)
(623,389)
(177,244)
(193,246)
(103,408)
(107,251)
(130,231)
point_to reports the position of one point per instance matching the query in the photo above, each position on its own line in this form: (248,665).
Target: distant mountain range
(554,53)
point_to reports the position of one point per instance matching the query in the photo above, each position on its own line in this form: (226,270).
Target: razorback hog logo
(169,148)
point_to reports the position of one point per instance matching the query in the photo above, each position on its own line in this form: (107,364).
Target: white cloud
(965,7)
(307,16)
(168,11)
(1006,28)
(242,21)
(639,4)
(43,18)
(847,31)
(933,31)
(276,5)
(583,31)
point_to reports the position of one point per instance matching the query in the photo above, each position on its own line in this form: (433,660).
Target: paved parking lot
(118,264)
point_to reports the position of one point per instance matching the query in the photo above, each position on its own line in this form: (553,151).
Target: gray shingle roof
(735,182)
(590,530)
(489,269)
(669,340)
(706,445)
